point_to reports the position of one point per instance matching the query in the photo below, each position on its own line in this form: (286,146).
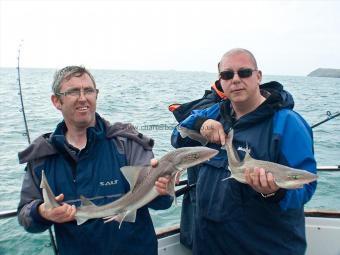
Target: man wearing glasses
(257,217)
(83,156)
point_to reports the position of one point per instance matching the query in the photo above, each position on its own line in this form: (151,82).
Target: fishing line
(27,134)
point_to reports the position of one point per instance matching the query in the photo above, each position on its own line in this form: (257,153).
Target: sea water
(142,98)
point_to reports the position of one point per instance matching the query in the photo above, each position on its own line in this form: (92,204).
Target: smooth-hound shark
(284,176)
(142,185)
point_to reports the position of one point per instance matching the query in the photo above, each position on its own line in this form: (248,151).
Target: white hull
(323,237)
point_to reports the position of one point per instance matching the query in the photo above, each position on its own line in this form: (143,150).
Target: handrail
(308,212)
(323,214)
(8,214)
(13,213)
(328,168)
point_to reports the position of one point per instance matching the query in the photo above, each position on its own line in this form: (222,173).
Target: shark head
(190,156)
(297,179)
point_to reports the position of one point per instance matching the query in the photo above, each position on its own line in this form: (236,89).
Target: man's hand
(213,131)
(162,183)
(60,214)
(260,181)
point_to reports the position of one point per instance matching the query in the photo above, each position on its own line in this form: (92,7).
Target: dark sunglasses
(242,73)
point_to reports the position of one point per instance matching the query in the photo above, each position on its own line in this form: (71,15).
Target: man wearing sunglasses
(257,217)
(83,156)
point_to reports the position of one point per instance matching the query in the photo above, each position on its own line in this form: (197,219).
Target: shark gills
(142,185)
(284,176)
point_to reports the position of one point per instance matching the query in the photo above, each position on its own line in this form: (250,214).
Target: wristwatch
(268,195)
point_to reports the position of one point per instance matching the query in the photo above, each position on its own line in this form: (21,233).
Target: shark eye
(193,156)
(295,177)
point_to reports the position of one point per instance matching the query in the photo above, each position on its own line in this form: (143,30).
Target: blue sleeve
(296,150)
(190,122)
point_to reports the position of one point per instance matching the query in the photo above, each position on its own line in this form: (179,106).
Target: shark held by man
(284,176)
(142,185)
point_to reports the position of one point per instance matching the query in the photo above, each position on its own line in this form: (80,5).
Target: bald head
(236,51)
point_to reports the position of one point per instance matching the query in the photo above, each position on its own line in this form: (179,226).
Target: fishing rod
(27,134)
(330,116)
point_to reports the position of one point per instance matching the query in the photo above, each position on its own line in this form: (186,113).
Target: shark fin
(181,132)
(230,136)
(131,174)
(171,185)
(247,151)
(110,218)
(129,216)
(229,177)
(85,201)
(80,220)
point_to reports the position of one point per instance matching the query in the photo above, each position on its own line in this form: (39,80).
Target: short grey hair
(236,51)
(67,73)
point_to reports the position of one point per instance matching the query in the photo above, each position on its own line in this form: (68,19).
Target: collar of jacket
(278,99)
(48,144)
(93,134)
(216,86)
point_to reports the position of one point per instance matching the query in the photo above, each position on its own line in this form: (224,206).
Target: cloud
(287,37)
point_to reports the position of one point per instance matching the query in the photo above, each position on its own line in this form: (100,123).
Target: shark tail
(229,177)
(194,135)
(230,136)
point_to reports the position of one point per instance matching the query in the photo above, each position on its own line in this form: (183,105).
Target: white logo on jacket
(108,183)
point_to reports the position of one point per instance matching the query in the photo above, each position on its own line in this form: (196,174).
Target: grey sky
(286,37)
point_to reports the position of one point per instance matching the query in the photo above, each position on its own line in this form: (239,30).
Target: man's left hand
(162,183)
(261,181)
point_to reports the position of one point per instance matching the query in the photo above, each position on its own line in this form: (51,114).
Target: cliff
(325,72)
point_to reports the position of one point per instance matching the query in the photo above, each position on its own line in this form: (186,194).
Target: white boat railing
(13,213)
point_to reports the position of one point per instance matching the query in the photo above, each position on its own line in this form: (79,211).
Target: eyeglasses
(77,92)
(242,73)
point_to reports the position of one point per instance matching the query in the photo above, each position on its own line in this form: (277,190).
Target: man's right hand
(60,214)
(213,131)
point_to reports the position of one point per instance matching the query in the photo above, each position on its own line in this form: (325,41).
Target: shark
(284,176)
(142,186)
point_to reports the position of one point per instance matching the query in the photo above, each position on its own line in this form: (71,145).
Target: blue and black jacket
(93,172)
(181,112)
(231,217)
